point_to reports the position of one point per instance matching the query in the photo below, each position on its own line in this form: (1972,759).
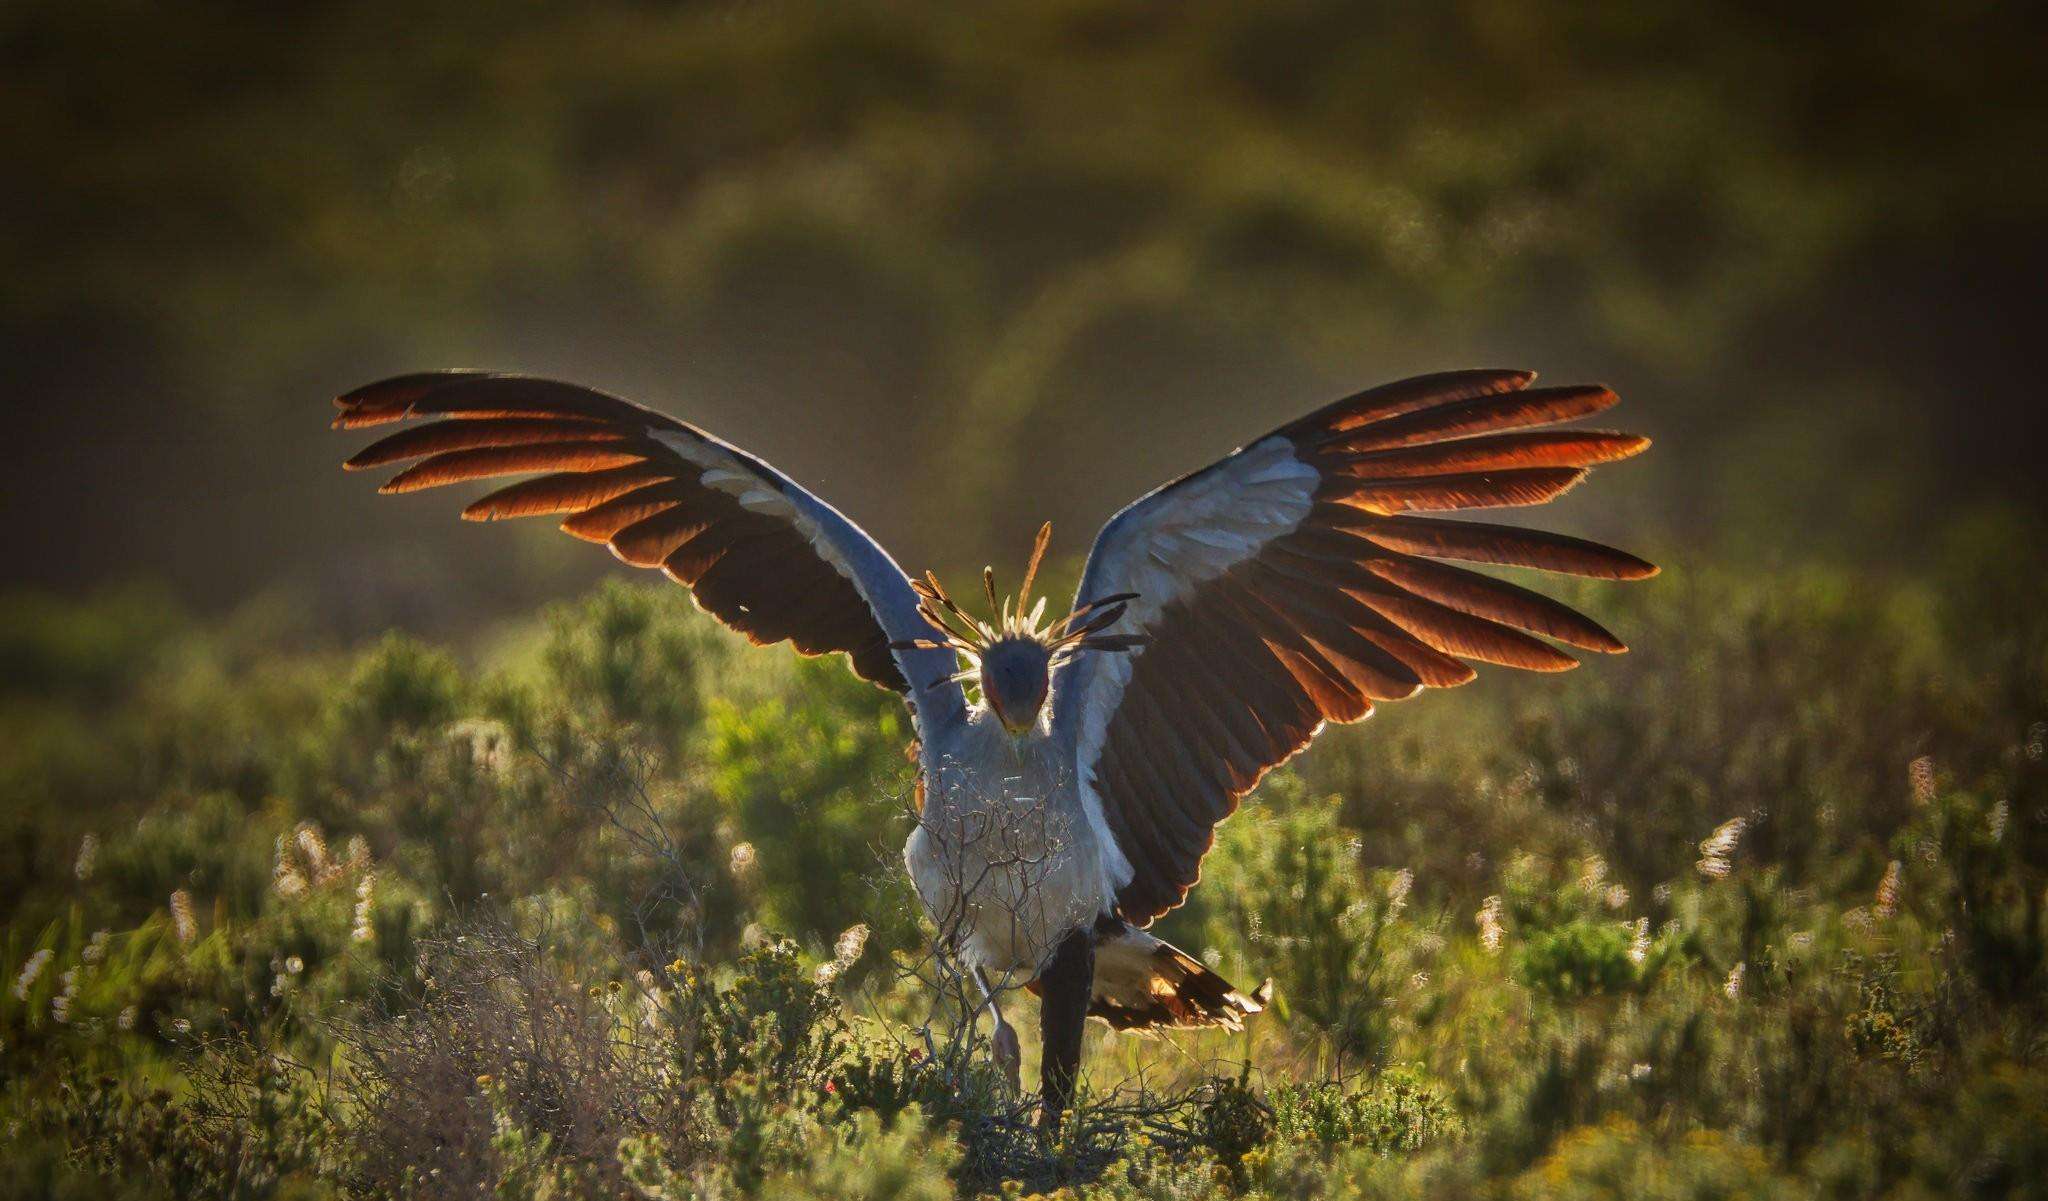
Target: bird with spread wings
(1073,771)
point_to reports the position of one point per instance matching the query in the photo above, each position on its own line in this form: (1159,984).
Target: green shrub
(1301,906)
(1579,959)
(870,1160)
(1397,1111)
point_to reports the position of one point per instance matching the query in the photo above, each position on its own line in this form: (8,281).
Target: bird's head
(1013,657)
(1016,674)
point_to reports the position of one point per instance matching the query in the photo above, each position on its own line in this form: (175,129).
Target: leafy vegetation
(613,908)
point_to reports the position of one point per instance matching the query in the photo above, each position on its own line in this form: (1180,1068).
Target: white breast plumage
(1002,857)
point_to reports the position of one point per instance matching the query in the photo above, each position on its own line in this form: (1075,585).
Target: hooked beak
(1017,724)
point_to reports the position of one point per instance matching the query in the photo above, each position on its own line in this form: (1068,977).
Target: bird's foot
(1008,1055)
(1049,1117)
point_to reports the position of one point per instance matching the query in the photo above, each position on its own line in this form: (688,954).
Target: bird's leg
(1067,983)
(1009,1057)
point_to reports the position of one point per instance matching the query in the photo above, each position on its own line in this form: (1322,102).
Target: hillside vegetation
(612,907)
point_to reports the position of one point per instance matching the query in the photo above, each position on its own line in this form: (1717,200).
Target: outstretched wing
(757,551)
(1287,586)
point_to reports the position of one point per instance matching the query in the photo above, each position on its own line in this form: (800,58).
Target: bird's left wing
(1288,585)
(756,550)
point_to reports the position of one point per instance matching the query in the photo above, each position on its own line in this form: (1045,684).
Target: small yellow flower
(484,1081)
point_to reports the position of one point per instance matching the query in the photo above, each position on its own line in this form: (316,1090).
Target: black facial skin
(1015,674)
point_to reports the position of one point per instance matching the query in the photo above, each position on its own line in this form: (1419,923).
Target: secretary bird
(1072,772)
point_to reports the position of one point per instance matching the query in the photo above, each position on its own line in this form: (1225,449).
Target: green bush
(1576,960)
(1334,937)
(1398,1111)
(440,926)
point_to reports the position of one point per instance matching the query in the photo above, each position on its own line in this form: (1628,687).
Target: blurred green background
(964,268)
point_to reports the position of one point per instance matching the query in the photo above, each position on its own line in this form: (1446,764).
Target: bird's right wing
(1286,586)
(756,550)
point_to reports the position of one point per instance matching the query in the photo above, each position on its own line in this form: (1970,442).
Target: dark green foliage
(628,657)
(1398,1111)
(1232,1122)
(1883,1025)
(505,921)
(768,1023)
(1578,959)
(889,1079)
(822,789)
(400,688)
(1331,935)
(249,1128)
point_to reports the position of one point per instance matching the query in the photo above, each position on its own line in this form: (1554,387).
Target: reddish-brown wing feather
(624,476)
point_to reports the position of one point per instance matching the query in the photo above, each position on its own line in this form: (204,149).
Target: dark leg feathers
(1067,984)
